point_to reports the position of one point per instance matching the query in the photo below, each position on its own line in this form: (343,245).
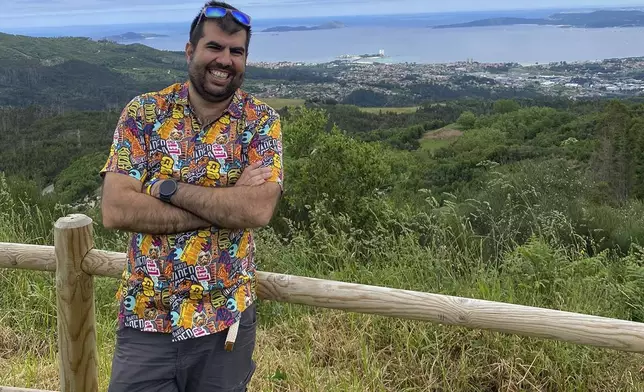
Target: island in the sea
(130,36)
(325,26)
(596,19)
(362,57)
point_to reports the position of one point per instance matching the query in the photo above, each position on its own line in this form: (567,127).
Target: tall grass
(435,250)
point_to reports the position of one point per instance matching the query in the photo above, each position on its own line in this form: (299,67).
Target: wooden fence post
(77,352)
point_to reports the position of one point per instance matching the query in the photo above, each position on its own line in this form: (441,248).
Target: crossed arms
(249,204)
(126,206)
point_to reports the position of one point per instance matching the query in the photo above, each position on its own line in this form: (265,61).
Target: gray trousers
(150,362)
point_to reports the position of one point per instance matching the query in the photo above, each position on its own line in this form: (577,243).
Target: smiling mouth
(218,74)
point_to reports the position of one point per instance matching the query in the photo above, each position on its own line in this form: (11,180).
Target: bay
(521,44)
(404,38)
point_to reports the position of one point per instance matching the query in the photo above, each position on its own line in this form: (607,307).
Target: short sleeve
(128,153)
(266,146)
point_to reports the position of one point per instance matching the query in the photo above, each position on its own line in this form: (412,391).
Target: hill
(19,49)
(80,73)
(325,26)
(596,19)
(132,36)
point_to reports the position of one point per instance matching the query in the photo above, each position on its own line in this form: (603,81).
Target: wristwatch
(167,189)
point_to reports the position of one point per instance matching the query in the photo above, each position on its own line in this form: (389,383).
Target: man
(192,170)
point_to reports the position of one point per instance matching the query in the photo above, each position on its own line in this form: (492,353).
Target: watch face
(167,188)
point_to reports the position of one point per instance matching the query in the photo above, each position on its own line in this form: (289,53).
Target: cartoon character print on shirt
(194,246)
(199,319)
(262,142)
(167,165)
(153,264)
(150,315)
(195,283)
(203,273)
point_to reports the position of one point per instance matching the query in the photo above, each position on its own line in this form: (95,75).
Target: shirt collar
(235,108)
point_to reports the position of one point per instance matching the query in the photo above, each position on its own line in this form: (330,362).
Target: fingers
(254,175)
(263,172)
(255,165)
(259,176)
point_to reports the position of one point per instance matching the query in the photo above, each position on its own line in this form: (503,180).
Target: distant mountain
(596,19)
(130,36)
(80,73)
(23,50)
(326,26)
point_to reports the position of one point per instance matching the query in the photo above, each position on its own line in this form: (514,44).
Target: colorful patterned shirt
(196,283)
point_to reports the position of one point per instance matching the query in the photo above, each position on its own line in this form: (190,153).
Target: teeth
(219,74)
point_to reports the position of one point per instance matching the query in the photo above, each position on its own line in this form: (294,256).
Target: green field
(281,103)
(440,138)
(434,144)
(410,109)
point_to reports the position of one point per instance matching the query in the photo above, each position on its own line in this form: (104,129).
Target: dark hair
(227,24)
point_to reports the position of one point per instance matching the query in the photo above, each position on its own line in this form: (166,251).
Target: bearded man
(192,170)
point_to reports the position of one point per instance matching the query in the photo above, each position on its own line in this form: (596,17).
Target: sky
(39,13)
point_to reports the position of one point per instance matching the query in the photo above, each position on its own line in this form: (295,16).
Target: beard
(199,75)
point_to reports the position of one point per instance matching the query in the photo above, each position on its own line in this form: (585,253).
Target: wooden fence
(75,262)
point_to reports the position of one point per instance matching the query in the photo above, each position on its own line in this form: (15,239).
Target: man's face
(217,64)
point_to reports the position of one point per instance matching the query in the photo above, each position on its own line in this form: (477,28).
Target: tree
(506,106)
(613,162)
(467,120)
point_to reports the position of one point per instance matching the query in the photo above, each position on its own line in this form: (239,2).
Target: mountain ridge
(594,19)
(326,26)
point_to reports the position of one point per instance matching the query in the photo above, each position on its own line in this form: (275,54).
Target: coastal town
(606,78)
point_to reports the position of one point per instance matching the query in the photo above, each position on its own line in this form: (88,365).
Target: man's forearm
(141,213)
(239,207)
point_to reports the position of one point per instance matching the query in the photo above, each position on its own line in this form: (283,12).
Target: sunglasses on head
(220,12)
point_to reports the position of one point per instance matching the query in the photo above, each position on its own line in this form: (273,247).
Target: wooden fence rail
(75,262)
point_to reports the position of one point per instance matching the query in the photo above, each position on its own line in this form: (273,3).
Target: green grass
(434,144)
(280,103)
(313,349)
(440,138)
(400,110)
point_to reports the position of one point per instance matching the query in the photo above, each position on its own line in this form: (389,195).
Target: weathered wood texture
(471,313)
(29,257)
(77,352)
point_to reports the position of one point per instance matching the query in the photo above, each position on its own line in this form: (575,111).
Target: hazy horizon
(23,14)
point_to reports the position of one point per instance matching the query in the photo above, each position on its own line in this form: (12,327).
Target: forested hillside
(531,201)
(82,74)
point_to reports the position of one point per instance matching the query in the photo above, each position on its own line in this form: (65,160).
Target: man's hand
(125,207)
(254,175)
